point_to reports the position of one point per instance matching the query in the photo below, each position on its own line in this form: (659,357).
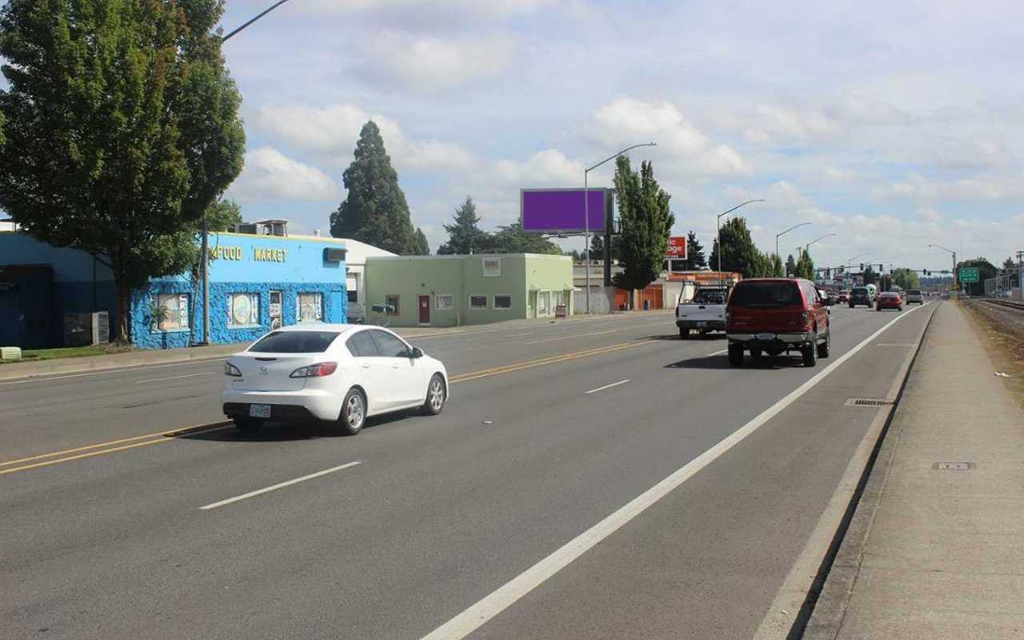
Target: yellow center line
(160,440)
(101,448)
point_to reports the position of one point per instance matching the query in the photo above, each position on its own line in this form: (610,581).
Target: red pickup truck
(776,315)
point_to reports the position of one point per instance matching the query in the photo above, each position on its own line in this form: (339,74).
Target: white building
(355,275)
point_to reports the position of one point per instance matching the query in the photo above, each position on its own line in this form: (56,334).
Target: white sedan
(337,373)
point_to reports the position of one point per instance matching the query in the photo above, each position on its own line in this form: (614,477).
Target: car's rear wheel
(755,353)
(824,347)
(437,395)
(810,352)
(684,334)
(247,425)
(735,354)
(353,412)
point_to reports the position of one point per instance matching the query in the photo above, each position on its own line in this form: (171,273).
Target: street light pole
(956,278)
(718,233)
(777,236)
(205,251)
(586,208)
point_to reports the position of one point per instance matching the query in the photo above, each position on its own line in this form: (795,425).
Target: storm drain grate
(953,466)
(868,402)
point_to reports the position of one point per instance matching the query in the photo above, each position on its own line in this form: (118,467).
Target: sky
(892,125)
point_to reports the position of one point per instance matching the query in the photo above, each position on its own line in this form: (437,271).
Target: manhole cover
(953,466)
(867,402)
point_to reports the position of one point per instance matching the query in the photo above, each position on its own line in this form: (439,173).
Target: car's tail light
(232,370)
(805,318)
(318,370)
(677,312)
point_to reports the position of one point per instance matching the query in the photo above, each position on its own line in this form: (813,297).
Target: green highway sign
(969,274)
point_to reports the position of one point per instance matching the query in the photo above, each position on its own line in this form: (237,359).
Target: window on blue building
(310,307)
(243,309)
(171,312)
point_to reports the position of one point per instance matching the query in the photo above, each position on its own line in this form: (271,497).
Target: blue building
(257,282)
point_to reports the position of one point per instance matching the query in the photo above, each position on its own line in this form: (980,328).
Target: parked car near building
(336,373)
(777,315)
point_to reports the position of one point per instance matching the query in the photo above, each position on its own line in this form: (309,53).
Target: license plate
(765,336)
(702,324)
(259,410)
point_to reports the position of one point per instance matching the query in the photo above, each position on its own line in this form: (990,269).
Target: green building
(448,291)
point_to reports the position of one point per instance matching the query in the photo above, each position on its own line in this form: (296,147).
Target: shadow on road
(282,432)
(722,362)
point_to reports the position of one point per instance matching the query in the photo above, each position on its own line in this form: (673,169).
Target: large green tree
(777,268)
(790,267)
(805,266)
(513,239)
(738,250)
(906,279)
(422,247)
(597,247)
(122,128)
(464,234)
(646,224)
(986,270)
(695,258)
(375,210)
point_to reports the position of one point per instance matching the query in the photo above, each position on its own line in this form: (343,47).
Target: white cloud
(920,189)
(433,63)
(628,120)
(269,175)
(334,130)
(928,214)
(836,174)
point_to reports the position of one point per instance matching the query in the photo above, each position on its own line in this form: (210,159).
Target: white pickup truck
(704,312)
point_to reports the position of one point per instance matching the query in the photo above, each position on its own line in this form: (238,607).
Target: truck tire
(735,355)
(684,334)
(810,352)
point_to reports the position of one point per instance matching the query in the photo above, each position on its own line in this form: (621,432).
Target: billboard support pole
(586,225)
(586,206)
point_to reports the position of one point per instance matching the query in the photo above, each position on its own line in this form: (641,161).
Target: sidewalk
(937,550)
(160,356)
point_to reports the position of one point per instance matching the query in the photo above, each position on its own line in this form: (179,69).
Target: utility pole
(205,267)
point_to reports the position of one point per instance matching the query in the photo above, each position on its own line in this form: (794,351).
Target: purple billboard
(561,210)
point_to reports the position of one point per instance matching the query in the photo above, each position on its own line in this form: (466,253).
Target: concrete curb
(824,611)
(131,360)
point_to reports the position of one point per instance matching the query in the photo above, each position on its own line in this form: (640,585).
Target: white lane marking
(138,367)
(718,353)
(905,345)
(574,335)
(608,386)
(280,485)
(187,375)
(505,596)
(520,335)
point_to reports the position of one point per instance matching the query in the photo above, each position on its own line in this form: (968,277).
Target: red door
(424,309)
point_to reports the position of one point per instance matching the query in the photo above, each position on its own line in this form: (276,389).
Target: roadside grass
(37,355)
(1004,341)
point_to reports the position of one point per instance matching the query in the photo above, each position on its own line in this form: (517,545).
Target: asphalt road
(104,532)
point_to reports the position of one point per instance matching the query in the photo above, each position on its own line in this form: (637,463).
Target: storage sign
(676,248)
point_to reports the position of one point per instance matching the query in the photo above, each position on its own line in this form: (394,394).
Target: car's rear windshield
(860,290)
(295,342)
(765,294)
(709,296)
(914,292)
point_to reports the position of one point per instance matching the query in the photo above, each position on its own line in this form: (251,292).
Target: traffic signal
(862,266)
(925,272)
(881,268)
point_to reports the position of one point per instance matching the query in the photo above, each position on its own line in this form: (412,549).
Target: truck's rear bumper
(712,325)
(754,339)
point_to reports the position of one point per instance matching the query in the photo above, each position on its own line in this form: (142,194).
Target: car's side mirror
(416,353)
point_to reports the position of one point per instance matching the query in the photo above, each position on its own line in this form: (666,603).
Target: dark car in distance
(777,315)
(860,295)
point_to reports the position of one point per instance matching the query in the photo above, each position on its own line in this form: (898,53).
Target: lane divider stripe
(508,594)
(279,485)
